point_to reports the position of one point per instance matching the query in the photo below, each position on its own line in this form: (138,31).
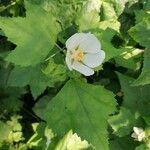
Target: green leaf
(135,98)
(4,130)
(112,8)
(123,122)
(40,106)
(141,147)
(38,77)
(147,5)
(123,143)
(144,78)
(11,104)
(68,7)
(130,59)
(107,11)
(117,5)
(41,139)
(87,20)
(36,139)
(90,19)
(33,76)
(57,72)
(141,33)
(111,23)
(34,35)
(5,70)
(141,15)
(10,100)
(11,130)
(105,37)
(147,120)
(84,108)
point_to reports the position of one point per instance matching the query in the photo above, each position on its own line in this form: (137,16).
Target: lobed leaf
(84,108)
(34,35)
(141,33)
(135,98)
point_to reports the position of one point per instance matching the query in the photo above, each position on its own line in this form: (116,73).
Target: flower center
(78,55)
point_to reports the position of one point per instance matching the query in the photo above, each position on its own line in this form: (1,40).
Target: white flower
(93,5)
(138,134)
(84,53)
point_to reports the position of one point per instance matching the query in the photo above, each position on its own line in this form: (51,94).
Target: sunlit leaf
(71,109)
(33,44)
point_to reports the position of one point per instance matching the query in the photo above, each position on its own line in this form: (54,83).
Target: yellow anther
(78,55)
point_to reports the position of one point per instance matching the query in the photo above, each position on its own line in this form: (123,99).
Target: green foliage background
(42,103)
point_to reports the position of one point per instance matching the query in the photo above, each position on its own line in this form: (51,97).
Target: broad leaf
(144,78)
(114,24)
(130,59)
(34,35)
(36,78)
(84,108)
(147,120)
(10,100)
(39,107)
(123,143)
(141,33)
(33,76)
(87,20)
(141,147)
(105,37)
(135,98)
(123,123)
(68,7)
(107,11)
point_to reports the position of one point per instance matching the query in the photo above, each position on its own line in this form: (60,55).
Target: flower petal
(73,42)
(134,135)
(94,60)
(90,44)
(140,138)
(68,60)
(137,130)
(82,68)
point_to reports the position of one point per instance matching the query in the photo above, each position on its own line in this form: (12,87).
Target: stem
(61,49)
(47,144)
(8,6)
(52,56)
